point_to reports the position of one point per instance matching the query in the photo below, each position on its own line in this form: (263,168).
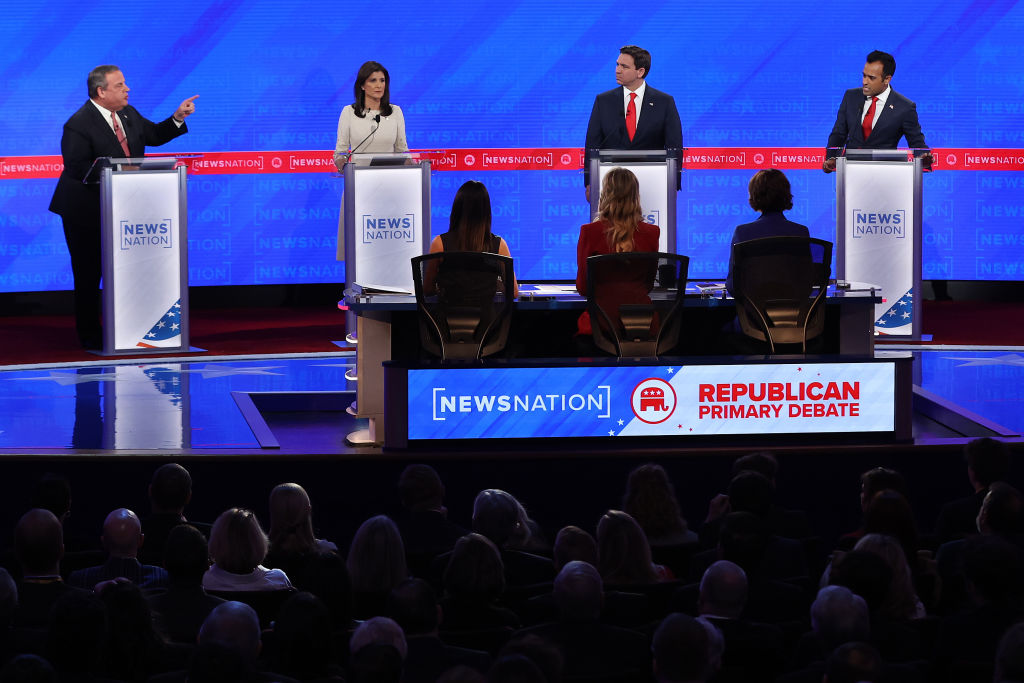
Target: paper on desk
(382,289)
(547,290)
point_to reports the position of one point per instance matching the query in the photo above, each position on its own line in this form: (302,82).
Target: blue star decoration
(167,327)
(899,314)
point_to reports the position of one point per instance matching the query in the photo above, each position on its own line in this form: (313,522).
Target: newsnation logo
(872,223)
(157,234)
(400,228)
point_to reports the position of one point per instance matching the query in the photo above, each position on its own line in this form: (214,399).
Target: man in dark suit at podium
(105,126)
(874,116)
(635,115)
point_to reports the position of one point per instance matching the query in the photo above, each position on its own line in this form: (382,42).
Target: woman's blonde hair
(619,207)
(237,542)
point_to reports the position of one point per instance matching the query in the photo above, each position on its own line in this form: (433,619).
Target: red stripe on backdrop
(525,159)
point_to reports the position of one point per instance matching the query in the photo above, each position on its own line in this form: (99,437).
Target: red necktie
(631,116)
(120,134)
(869,118)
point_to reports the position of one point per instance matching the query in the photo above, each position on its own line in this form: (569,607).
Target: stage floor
(295,404)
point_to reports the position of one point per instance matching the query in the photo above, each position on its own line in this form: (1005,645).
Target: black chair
(627,321)
(780,285)
(465,301)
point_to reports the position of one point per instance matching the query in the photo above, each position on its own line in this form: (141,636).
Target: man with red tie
(105,126)
(874,116)
(635,115)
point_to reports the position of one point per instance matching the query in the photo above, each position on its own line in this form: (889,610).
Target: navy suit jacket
(772,224)
(897,119)
(87,136)
(657,128)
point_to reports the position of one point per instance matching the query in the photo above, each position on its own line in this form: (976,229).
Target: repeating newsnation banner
(692,400)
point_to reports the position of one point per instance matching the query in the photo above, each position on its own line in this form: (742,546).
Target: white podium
(878,233)
(657,171)
(144,221)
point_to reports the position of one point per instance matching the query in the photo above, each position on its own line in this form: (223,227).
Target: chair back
(464,299)
(635,301)
(780,285)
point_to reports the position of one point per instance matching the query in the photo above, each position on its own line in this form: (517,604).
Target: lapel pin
(891,107)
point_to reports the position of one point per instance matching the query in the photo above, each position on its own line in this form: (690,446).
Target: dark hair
(881,478)
(53,493)
(420,488)
(651,499)
(413,606)
(365,71)
(98,78)
(989,459)
(641,57)
(171,486)
(769,191)
(186,555)
(751,491)
(887,60)
(761,461)
(889,513)
(864,573)
(992,565)
(680,648)
(28,669)
(303,637)
(1003,509)
(470,220)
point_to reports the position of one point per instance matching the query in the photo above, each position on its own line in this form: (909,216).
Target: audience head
(988,460)
(619,207)
(901,601)
(363,75)
(993,567)
(39,543)
(579,592)
(303,636)
(855,662)
(132,634)
(237,541)
(420,488)
(475,570)
(622,548)
(8,599)
(889,513)
(291,520)
(1010,655)
(496,516)
(413,605)
(376,557)
(681,649)
(723,591)
(770,191)
(878,479)
(234,626)
(325,575)
(1002,511)
(573,543)
(77,633)
(170,489)
(122,533)
(838,616)
(515,668)
(752,492)
(53,492)
(543,653)
(378,631)
(742,539)
(28,669)
(470,219)
(864,573)
(186,555)
(761,461)
(651,500)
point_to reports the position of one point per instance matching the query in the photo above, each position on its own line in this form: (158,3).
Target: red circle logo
(653,400)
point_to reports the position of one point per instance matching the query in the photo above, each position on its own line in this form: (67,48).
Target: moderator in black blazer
(88,136)
(897,119)
(771,224)
(657,128)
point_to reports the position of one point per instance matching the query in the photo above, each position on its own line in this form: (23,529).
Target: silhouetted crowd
(747,596)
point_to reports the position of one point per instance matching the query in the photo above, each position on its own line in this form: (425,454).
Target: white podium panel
(654,196)
(387,223)
(145,261)
(878,205)
(657,172)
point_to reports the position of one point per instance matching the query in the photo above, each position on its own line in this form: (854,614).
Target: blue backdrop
(275,75)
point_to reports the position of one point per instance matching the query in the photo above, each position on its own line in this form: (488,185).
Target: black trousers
(82,235)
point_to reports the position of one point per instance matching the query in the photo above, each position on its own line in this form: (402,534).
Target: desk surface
(554,296)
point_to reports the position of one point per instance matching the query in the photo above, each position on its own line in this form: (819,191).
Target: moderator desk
(386,322)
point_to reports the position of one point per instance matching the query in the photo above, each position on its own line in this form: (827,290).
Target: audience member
(183,607)
(1009,666)
(237,547)
(134,649)
(854,663)
(496,515)
(651,500)
(573,543)
(786,522)
(838,615)
(901,601)
(544,654)
(77,637)
(292,540)
(122,537)
(170,490)
(988,460)
(27,668)
(38,548)
(473,581)
(376,564)
(872,482)
(624,555)
(377,651)
(426,530)
(682,651)
(303,642)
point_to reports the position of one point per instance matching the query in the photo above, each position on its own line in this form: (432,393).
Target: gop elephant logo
(653,400)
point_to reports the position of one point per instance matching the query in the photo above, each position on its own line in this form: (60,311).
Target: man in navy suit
(105,126)
(874,116)
(635,115)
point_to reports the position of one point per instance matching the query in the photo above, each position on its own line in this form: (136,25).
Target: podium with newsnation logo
(143,212)
(657,171)
(878,232)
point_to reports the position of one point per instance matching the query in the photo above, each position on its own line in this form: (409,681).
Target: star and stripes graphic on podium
(899,315)
(166,329)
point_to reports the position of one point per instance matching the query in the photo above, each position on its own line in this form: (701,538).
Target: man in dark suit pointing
(874,116)
(635,115)
(105,126)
